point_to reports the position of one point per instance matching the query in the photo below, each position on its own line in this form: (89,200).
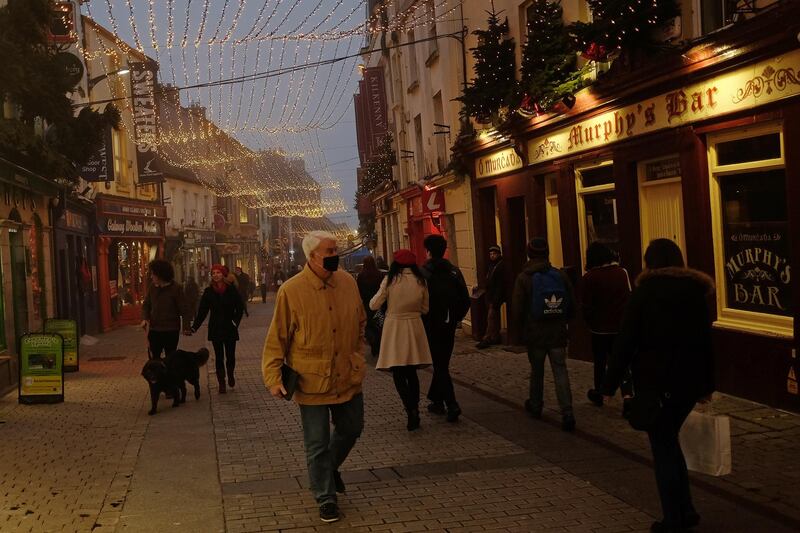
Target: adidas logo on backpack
(549,298)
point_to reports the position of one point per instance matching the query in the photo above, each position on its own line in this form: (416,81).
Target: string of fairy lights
(244,135)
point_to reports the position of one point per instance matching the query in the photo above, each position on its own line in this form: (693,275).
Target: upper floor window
(411,51)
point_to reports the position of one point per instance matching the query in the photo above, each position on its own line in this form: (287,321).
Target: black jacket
(540,334)
(448,297)
(665,335)
(496,283)
(226,313)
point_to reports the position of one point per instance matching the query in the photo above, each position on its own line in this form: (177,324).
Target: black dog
(170,375)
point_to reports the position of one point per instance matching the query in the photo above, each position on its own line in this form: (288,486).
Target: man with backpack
(544,302)
(448,305)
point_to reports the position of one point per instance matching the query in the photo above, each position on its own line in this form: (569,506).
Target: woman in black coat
(665,339)
(225,304)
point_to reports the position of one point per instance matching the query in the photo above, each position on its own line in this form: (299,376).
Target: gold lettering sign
(497,163)
(740,89)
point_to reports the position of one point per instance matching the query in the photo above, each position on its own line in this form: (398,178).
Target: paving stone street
(235,462)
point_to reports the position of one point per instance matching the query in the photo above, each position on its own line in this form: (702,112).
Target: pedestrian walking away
(604,290)
(495,297)
(243,284)
(191,291)
(369,281)
(665,339)
(264,284)
(317,327)
(164,312)
(448,303)
(223,302)
(543,301)
(404,346)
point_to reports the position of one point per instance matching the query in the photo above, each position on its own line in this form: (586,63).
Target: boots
(231,379)
(413,418)
(221,382)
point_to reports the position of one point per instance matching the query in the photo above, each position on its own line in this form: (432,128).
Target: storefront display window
(597,206)
(129,272)
(751,230)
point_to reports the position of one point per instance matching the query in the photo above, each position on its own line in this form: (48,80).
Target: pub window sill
(744,322)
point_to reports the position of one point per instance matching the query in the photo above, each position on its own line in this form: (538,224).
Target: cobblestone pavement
(68,467)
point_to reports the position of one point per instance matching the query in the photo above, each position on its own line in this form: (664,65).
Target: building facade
(698,147)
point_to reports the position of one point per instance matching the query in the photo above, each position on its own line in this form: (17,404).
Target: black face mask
(331,263)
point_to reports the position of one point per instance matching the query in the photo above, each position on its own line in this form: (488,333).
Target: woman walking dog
(404,346)
(223,301)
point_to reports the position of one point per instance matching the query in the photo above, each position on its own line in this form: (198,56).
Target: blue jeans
(558,362)
(326,451)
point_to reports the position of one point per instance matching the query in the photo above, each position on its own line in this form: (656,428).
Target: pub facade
(703,149)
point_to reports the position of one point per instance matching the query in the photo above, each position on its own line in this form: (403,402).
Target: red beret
(405,257)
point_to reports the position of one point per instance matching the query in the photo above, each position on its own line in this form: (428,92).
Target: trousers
(558,363)
(224,357)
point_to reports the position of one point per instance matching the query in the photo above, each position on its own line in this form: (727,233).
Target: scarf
(220,287)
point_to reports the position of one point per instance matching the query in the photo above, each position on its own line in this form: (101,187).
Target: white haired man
(317,329)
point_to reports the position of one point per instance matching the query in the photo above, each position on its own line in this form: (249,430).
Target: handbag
(645,406)
(379,317)
(706,443)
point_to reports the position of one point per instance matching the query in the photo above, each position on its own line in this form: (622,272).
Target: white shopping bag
(706,442)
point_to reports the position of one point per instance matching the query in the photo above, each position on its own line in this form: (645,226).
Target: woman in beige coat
(404,346)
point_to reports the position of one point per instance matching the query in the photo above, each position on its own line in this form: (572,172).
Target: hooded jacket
(665,336)
(543,333)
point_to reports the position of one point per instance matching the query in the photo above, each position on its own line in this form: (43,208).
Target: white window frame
(580,192)
(727,317)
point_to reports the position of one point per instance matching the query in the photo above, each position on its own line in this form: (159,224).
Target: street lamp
(119,72)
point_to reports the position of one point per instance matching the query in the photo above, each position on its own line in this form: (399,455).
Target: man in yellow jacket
(317,330)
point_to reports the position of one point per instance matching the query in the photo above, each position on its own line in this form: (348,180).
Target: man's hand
(277,390)
(145,325)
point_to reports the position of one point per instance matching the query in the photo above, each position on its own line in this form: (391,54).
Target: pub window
(752,244)
(597,206)
(120,147)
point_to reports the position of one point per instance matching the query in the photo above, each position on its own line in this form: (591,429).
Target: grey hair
(313,238)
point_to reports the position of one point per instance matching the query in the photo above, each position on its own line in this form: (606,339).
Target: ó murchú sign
(740,89)
(497,163)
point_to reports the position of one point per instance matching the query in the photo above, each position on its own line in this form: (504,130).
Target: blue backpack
(549,296)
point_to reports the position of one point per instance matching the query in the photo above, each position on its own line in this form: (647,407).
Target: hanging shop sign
(198,238)
(376,106)
(741,89)
(145,121)
(432,201)
(68,329)
(228,248)
(41,368)
(99,167)
(497,163)
(129,227)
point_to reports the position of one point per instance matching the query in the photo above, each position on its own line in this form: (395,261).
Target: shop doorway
(553,221)
(19,287)
(516,244)
(661,201)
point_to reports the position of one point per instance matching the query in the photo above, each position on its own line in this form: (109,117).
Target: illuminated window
(120,146)
(597,206)
(752,243)
(242,214)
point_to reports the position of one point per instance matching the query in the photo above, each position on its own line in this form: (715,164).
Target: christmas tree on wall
(376,171)
(621,25)
(549,64)
(494,85)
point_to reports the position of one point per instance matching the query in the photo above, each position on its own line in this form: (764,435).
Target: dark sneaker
(595,397)
(413,419)
(231,381)
(337,480)
(531,411)
(437,408)
(483,345)
(568,423)
(329,512)
(453,413)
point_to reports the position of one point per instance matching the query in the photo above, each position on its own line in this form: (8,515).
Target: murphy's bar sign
(143,80)
(744,88)
(497,163)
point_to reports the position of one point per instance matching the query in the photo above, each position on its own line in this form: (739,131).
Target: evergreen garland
(33,80)
(494,85)
(549,64)
(377,171)
(621,25)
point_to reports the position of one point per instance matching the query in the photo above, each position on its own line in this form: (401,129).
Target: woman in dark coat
(369,281)
(225,304)
(665,339)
